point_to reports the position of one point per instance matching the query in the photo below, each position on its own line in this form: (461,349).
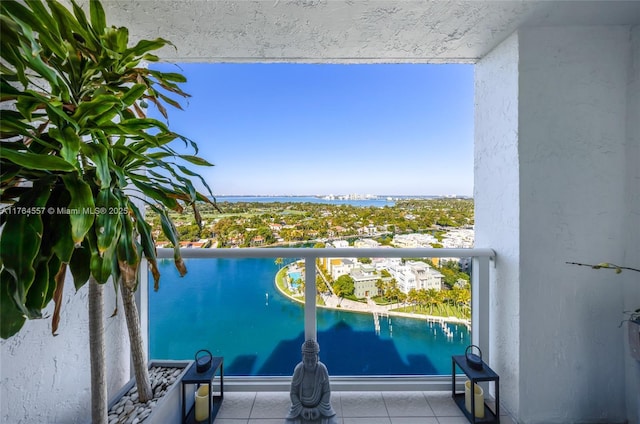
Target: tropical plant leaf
(67,23)
(147,243)
(80,265)
(58,225)
(54,265)
(170,232)
(23,14)
(10,128)
(168,76)
(70,142)
(108,224)
(144,46)
(81,206)
(170,101)
(21,236)
(40,11)
(11,318)
(35,161)
(57,298)
(20,243)
(196,160)
(133,94)
(160,195)
(128,256)
(98,19)
(93,110)
(99,155)
(135,125)
(26,105)
(35,296)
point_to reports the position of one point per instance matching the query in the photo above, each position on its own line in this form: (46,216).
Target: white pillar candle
(202,403)
(479,398)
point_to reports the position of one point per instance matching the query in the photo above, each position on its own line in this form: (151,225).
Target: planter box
(168,409)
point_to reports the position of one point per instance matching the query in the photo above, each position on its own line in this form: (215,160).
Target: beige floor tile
(336,403)
(506,419)
(414,420)
(264,421)
(236,405)
(367,420)
(351,408)
(492,404)
(443,405)
(453,420)
(363,404)
(230,420)
(270,405)
(407,404)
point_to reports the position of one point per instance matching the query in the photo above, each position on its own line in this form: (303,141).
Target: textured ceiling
(349,31)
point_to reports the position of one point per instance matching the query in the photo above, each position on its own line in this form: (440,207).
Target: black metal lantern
(473,360)
(472,402)
(202,373)
(203,360)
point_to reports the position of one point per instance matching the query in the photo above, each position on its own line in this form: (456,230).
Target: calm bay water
(379,202)
(232,308)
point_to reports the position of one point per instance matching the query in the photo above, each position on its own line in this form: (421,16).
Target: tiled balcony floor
(351,408)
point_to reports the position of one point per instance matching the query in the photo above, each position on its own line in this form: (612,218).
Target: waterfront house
(340,267)
(425,276)
(414,275)
(370,243)
(257,241)
(275,226)
(364,281)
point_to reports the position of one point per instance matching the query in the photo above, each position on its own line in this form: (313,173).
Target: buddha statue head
(310,350)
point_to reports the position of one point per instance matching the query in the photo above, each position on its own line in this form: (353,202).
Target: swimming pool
(295,275)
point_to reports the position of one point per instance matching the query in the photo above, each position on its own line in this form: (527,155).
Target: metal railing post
(480,303)
(310,327)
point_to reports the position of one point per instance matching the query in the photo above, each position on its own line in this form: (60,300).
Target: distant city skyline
(318,129)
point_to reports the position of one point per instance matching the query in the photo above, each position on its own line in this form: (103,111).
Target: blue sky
(312,129)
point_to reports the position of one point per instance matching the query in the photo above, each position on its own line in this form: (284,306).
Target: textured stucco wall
(556,180)
(496,194)
(631,223)
(361,31)
(46,379)
(324,31)
(572,137)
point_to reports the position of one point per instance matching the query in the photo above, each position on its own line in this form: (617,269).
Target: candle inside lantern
(478,394)
(202,403)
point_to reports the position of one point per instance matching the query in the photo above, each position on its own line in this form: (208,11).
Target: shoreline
(371,308)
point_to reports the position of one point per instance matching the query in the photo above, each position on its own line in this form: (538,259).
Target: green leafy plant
(78,158)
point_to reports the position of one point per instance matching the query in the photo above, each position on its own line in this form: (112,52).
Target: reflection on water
(232,308)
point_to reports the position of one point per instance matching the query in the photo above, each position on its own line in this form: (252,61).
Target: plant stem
(99,413)
(135,339)
(607,266)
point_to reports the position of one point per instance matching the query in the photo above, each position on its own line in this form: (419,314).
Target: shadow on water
(344,352)
(241,365)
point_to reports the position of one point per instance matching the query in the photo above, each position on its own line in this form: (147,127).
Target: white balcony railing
(480,298)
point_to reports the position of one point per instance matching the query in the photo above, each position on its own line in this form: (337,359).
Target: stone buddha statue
(310,391)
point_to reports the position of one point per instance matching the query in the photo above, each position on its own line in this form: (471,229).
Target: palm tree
(380,285)
(412,296)
(431,298)
(423,299)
